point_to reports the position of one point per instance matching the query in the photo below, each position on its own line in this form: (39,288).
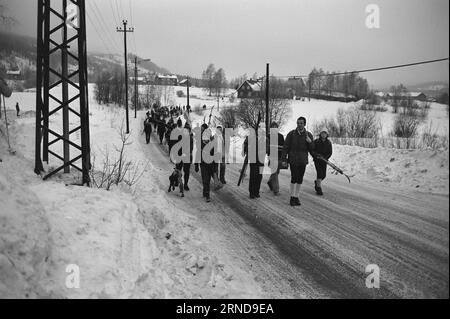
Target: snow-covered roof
(412,94)
(13,72)
(255,85)
(172,77)
(415,94)
(139,78)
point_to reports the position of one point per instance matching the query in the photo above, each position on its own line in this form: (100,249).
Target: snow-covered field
(135,242)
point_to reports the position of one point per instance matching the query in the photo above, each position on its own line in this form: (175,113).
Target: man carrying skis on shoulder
(298,144)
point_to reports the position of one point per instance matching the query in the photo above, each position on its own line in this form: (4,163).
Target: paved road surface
(321,249)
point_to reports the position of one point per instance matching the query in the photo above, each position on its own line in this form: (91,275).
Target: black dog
(176,180)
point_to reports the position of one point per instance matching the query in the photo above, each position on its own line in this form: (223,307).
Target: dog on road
(176,180)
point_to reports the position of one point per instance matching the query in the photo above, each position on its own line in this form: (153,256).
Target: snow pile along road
(423,170)
(130,242)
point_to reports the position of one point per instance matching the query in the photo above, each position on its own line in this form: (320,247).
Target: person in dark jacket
(161,129)
(206,164)
(148,128)
(254,184)
(220,167)
(322,148)
(17,109)
(187,166)
(298,144)
(273,180)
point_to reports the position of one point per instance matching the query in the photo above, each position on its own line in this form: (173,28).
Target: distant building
(418,96)
(13,74)
(140,79)
(166,80)
(250,89)
(184,82)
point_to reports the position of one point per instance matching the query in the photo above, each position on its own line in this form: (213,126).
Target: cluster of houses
(159,79)
(417,96)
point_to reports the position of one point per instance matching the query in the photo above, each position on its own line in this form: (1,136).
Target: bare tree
(220,81)
(117,169)
(208,78)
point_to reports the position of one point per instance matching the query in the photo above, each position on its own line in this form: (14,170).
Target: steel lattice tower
(62,110)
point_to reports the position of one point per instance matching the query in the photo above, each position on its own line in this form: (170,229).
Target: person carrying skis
(298,144)
(206,164)
(220,136)
(322,148)
(273,180)
(255,164)
(187,166)
(148,128)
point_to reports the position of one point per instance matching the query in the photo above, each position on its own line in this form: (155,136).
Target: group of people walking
(292,151)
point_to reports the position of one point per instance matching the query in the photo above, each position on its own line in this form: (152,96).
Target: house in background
(418,96)
(250,89)
(13,74)
(166,80)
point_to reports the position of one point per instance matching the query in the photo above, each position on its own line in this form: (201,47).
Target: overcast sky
(294,36)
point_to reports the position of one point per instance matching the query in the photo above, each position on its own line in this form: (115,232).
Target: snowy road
(322,248)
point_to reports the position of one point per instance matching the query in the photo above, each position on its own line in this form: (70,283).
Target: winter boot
(208,199)
(319,191)
(186,188)
(316,188)
(292,202)
(269,183)
(218,186)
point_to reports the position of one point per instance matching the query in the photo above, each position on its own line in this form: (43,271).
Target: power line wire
(98,33)
(365,70)
(132,23)
(117,21)
(103,25)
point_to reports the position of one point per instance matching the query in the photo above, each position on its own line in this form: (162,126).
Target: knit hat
(323,130)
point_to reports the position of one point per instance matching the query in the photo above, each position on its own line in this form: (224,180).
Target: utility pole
(187,86)
(267,99)
(52,18)
(136,88)
(125,31)
(309,89)
(218,97)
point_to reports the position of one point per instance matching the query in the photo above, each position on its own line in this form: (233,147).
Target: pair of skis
(333,166)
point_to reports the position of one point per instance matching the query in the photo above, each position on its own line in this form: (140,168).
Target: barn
(166,80)
(250,89)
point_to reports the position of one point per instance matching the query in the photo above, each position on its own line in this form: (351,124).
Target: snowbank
(128,243)
(424,170)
